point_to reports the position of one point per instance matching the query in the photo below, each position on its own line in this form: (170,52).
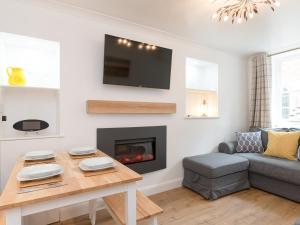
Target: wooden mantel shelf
(125,107)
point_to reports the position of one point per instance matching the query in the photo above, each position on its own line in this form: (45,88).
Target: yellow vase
(16,76)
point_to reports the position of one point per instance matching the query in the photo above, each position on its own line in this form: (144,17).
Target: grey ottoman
(216,174)
(297,222)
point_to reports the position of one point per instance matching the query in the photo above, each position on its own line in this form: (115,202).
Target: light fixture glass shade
(239,11)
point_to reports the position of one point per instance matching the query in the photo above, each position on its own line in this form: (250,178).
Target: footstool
(215,174)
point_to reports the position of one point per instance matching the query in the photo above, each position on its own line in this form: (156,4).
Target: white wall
(81,35)
(201,75)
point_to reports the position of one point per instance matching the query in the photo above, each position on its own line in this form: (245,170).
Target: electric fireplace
(142,149)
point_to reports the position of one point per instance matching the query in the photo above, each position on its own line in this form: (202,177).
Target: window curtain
(260,88)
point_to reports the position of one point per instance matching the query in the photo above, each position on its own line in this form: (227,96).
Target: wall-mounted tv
(132,63)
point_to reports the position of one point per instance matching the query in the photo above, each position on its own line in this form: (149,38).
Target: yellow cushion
(282,144)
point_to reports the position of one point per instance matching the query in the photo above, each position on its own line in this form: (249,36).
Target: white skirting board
(161,187)
(82,209)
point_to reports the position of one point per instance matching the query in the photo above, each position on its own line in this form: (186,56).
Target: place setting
(39,157)
(97,166)
(39,172)
(83,152)
(92,163)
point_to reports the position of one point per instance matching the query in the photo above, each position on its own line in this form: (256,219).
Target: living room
(65,99)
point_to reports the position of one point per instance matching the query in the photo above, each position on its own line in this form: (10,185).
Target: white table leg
(130,204)
(92,211)
(153,220)
(13,216)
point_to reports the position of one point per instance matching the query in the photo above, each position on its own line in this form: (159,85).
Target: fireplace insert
(135,150)
(142,149)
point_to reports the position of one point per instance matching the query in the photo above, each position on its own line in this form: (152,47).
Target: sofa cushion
(264,133)
(249,142)
(294,129)
(281,169)
(215,165)
(283,144)
(298,151)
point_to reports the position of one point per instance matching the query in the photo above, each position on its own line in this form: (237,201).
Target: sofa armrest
(228,147)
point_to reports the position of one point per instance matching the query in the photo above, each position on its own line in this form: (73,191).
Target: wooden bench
(146,209)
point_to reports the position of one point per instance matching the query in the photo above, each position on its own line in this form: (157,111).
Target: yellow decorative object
(282,144)
(16,76)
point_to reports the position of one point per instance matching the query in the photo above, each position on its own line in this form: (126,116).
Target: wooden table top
(75,181)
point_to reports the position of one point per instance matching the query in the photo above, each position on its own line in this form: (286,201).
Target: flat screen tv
(132,63)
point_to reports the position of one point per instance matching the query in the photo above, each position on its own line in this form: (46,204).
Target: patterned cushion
(249,142)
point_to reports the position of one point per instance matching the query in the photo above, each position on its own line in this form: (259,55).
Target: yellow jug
(16,76)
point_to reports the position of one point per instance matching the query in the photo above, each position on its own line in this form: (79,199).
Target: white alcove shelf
(201,89)
(39,98)
(40,60)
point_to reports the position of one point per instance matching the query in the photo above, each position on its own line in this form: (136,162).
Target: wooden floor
(184,207)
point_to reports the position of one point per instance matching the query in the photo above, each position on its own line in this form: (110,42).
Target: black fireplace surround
(142,149)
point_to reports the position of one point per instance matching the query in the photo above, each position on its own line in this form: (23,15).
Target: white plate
(90,169)
(96,163)
(39,178)
(82,151)
(40,171)
(38,155)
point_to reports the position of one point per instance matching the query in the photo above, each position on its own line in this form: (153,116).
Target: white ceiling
(191,19)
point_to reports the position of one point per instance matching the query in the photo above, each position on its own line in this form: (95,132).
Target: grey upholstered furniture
(216,174)
(297,222)
(274,175)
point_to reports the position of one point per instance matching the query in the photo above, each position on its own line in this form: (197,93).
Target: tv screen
(133,63)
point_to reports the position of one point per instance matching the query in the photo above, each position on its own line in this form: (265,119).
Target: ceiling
(191,19)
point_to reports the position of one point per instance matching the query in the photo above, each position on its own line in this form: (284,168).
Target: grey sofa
(274,175)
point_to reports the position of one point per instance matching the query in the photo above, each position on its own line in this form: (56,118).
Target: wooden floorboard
(184,207)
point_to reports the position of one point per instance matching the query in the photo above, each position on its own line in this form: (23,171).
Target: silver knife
(40,187)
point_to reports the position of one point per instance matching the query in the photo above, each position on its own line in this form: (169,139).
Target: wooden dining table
(76,188)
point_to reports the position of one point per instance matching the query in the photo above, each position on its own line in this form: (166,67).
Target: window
(286,90)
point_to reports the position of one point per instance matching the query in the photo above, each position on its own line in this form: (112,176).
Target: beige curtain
(260,88)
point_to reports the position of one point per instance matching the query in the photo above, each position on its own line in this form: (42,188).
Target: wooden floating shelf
(125,107)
